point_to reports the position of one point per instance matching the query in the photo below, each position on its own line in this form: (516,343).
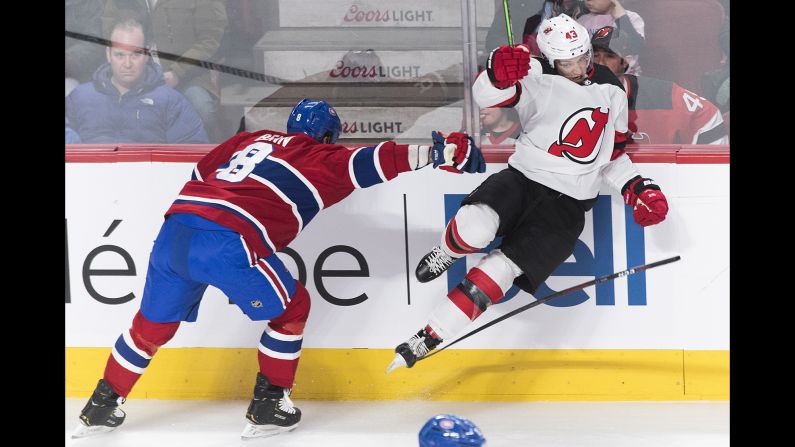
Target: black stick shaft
(592,282)
(185,60)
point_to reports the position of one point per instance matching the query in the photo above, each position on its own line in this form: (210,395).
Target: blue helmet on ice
(316,119)
(447,430)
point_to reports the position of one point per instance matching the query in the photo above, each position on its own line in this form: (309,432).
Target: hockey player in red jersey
(574,116)
(660,112)
(247,199)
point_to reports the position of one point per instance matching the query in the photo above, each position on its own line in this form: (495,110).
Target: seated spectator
(715,84)
(128,101)
(187,35)
(660,112)
(551,8)
(627,24)
(499,125)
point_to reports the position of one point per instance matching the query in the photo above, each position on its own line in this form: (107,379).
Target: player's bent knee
(301,301)
(294,317)
(499,269)
(151,335)
(477,224)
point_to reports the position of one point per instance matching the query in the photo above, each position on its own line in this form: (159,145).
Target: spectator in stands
(499,125)
(627,24)
(660,112)
(551,8)
(187,35)
(128,101)
(715,84)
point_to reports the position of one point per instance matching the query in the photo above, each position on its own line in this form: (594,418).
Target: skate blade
(83,431)
(398,362)
(252,431)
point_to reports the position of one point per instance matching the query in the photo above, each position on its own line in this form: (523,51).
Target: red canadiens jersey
(268,185)
(662,112)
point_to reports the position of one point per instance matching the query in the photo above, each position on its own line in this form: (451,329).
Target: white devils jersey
(569,130)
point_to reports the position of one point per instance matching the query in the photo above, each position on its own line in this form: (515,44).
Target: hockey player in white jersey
(574,116)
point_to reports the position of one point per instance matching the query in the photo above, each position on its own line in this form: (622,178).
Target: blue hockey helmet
(447,430)
(316,119)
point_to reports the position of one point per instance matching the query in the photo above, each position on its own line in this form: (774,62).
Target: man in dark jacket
(184,32)
(128,101)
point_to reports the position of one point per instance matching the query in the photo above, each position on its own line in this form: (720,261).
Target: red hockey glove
(507,65)
(457,153)
(646,199)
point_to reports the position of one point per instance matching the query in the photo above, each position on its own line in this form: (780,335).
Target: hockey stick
(592,282)
(508,21)
(185,60)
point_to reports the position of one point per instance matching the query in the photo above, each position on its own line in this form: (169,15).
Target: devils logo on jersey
(581,135)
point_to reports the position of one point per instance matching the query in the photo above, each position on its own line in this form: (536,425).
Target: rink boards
(659,335)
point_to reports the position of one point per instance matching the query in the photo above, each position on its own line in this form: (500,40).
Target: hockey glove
(457,153)
(507,65)
(648,202)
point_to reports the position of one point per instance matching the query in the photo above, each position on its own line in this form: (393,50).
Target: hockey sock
(471,229)
(484,285)
(494,275)
(280,344)
(134,350)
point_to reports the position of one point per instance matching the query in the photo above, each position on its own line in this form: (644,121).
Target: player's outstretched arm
(371,165)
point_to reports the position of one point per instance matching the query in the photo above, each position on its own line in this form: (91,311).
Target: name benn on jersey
(581,135)
(275,139)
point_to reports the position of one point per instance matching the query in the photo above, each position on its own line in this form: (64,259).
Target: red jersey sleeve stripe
(513,100)
(394,159)
(373,165)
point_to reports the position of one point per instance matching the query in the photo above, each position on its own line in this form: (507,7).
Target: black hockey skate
(271,411)
(102,413)
(433,264)
(406,354)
